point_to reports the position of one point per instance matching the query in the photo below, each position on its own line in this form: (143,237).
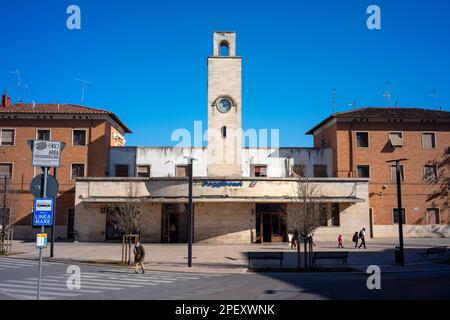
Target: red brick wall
(417,193)
(95,156)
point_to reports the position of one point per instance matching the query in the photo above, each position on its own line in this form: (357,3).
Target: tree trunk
(297,242)
(306,253)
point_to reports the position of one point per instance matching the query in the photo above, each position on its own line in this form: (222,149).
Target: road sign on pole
(37,185)
(43,212)
(47,153)
(41,240)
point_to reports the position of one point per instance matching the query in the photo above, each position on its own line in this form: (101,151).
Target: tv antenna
(353,104)
(84,84)
(333,99)
(16,73)
(434,95)
(387,95)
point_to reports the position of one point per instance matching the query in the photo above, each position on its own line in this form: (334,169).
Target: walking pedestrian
(294,239)
(139,257)
(355,239)
(362,236)
(340,241)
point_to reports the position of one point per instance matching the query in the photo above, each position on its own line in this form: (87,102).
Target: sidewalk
(233,258)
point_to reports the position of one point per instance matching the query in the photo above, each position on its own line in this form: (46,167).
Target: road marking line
(50,287)
(60,285)
(56,294)
(107,286)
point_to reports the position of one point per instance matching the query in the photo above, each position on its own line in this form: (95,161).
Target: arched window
(224,49)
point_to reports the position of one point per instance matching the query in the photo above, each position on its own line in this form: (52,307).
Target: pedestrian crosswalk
(13,263)
(95,281)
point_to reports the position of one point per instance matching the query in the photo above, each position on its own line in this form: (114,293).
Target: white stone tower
(224,108)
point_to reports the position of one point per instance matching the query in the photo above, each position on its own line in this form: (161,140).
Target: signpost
(46,154)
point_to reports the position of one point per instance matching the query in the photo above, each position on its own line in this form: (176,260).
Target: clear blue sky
(147,59)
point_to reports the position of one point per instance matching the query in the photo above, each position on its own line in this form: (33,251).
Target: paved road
(18,281)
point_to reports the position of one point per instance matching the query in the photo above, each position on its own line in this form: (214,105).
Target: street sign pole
(44,195)
(191,218)
(52,237)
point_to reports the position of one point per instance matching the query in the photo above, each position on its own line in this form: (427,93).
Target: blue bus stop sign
(43,212)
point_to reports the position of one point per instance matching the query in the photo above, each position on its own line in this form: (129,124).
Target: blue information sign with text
(43,212)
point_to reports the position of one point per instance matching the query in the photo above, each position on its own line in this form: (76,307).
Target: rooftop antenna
(84,84)
(19,82)
(333,99)
(434,95)
(353,104)
(387,95)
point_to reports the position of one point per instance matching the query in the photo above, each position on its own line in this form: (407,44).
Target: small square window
(143,171)
(121,170)
(181,171)
(394,172)
(43,135)
(429,140)
(299,170)
(259,171)
(78,170)
(362,139)
(430,173)
(395,215)
(79,138)
(363,171)
(6,169)
(7,137)
(320,171)
(396,139)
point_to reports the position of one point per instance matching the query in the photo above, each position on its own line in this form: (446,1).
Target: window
(430,173)
(395,215)
(77,170)
(394,172)
(320,171)
(433,216)
(224,49)
(396,139)
(121,170)
(7,137)
(224,132)
(259,171)
(181,171)
(43,135)
(79,138)
(362,139)
(143,171)
(363,171)
(428,140)
(299,170)
(6,169)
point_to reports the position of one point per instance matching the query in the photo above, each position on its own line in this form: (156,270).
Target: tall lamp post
(191,210)
(399,209)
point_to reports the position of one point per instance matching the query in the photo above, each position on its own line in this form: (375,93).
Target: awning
(217,199)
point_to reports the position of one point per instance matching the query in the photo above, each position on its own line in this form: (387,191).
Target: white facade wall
(163,160)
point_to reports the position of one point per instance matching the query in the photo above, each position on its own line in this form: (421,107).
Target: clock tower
(224,108)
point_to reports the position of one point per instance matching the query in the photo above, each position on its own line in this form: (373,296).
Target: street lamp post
(191,210)
(399,208)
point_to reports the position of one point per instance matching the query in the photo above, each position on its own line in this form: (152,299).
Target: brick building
(88,134)
(364,140)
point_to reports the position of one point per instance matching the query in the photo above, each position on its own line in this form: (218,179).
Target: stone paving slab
(233,258)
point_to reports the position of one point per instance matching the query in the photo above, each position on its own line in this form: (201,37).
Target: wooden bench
(265,256)
(341,255)
(439,252)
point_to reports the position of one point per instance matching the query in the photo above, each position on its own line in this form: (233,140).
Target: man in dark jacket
(139,257)
(362,236)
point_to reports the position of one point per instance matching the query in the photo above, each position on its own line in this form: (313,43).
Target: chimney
(6,100)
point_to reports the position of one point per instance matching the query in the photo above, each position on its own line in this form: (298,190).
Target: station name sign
(221,184)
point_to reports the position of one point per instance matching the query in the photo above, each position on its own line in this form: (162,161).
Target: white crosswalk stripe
(55,286)
(14,263)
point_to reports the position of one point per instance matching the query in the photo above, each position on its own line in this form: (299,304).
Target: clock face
(224,105)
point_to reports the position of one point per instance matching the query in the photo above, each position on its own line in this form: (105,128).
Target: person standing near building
(355,239)
(340,241)
(139,257)
(362,236)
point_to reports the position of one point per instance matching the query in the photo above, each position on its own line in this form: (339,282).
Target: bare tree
(8,210)
(305,212)
(128,216)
